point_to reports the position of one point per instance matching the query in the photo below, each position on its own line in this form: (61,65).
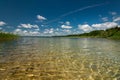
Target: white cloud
(105,18)
(116,19)
(85,27)
(67,23)
(28,26)
(37,29)
(100,26)
(34,33)
(2,23)
(76,31)
(57,29)
(113,13)
(42,25)
(39,17)
(67,31)
(26,32)
(17,30)
(49,31)
(104,26)
(66,26)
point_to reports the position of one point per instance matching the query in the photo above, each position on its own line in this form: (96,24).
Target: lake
(47,58)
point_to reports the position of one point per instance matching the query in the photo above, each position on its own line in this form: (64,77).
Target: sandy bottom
(58,66)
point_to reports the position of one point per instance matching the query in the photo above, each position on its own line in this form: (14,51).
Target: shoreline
(7,36)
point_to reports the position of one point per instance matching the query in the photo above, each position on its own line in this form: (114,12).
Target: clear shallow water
(34,58)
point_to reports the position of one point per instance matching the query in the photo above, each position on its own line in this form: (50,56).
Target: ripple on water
(60,62)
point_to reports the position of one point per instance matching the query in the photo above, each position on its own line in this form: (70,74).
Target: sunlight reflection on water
(60,58)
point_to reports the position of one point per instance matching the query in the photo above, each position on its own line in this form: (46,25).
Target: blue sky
(57,17)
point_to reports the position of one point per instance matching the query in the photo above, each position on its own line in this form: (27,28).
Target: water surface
(35,58)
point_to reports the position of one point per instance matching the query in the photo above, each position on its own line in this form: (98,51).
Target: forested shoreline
(7,36)
(113,33)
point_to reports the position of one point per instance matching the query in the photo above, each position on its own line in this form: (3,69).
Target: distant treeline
(7,36)
(113,33)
